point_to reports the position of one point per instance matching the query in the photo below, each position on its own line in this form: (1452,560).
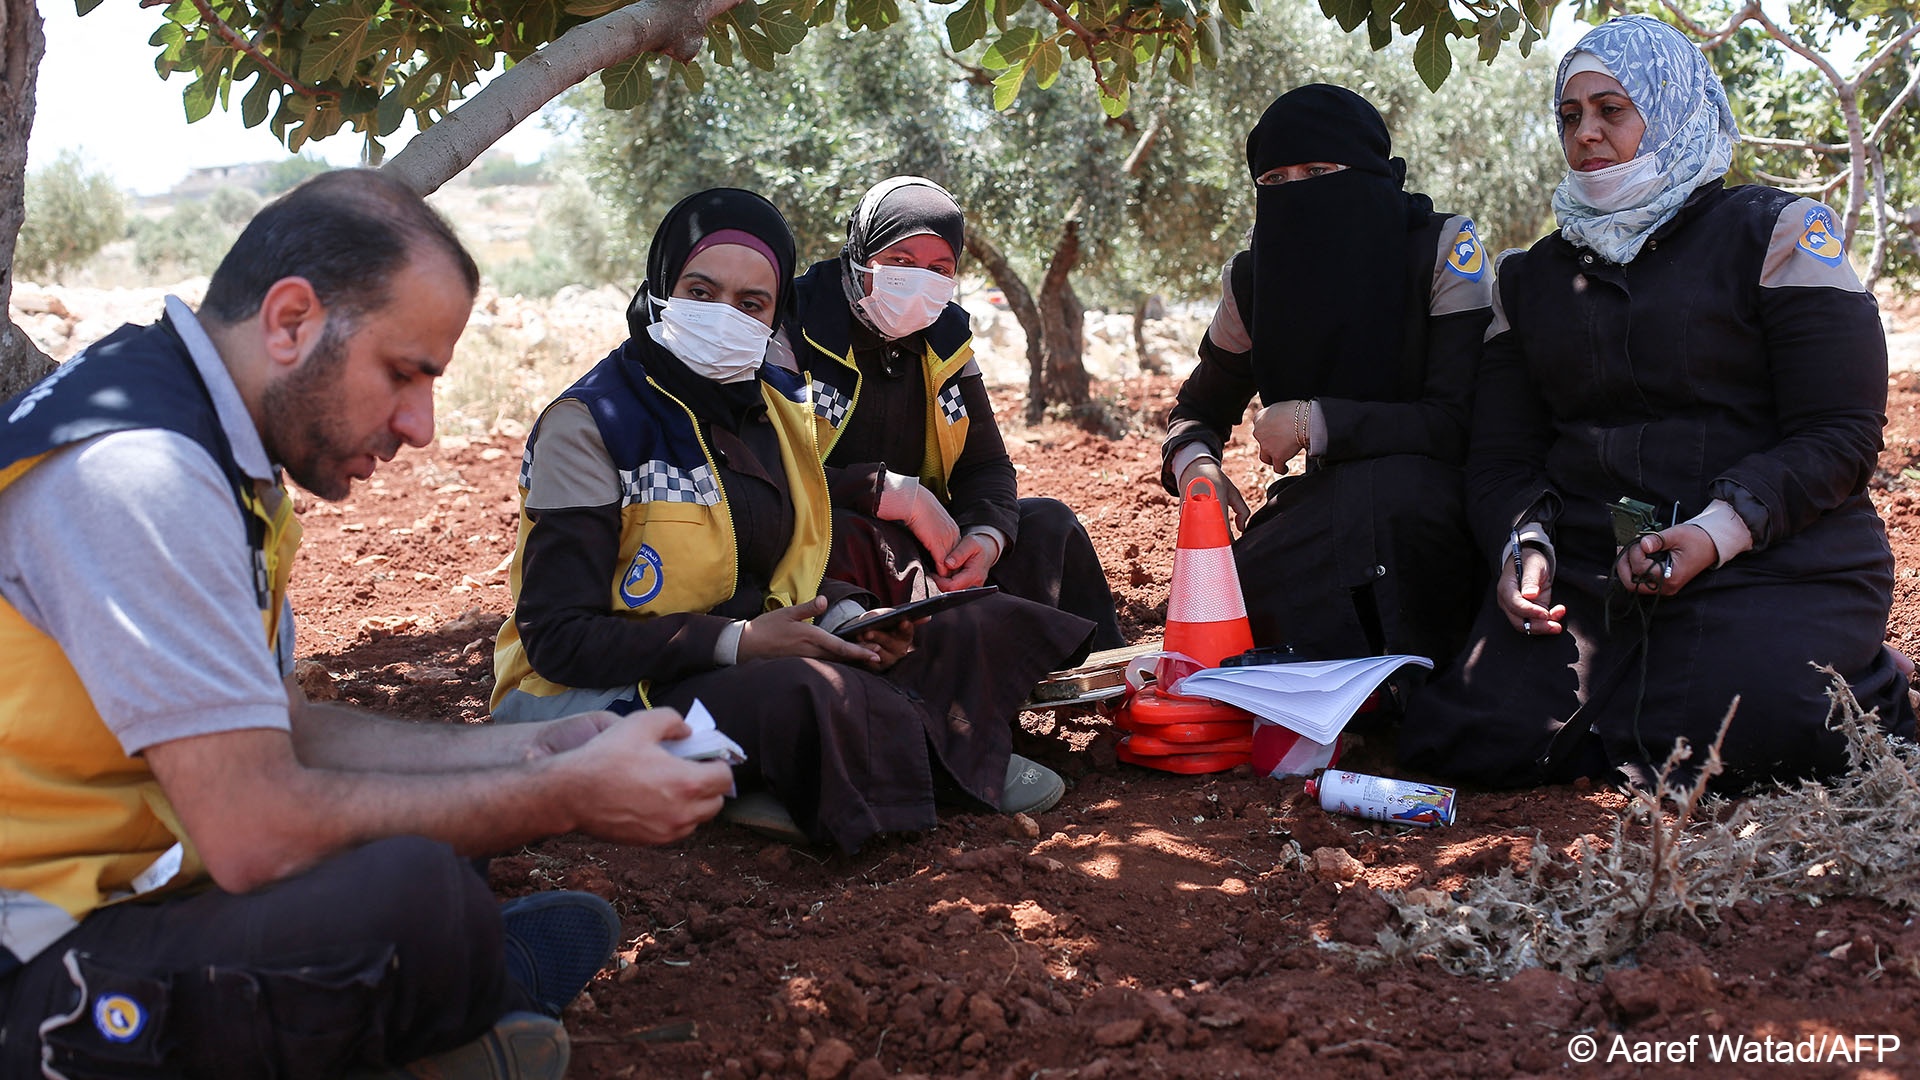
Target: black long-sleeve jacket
(1443,336)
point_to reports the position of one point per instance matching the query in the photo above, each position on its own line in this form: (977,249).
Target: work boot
(556,942)
(522,1046)
(1030,788)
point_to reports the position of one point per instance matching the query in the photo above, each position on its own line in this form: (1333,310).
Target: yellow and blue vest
(826,328)
(82,824)
(678,552)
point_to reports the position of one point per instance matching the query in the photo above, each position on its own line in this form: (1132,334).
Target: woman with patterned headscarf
(675,531)
(906,429)
(1677,415)
(1356,315)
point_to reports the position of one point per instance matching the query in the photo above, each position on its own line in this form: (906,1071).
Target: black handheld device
(917,609)
(1633,519)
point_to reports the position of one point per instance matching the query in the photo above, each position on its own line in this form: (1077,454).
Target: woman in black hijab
(1356,315)
(906,428)
(675,534)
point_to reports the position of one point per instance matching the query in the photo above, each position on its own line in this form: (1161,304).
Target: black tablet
(915,610)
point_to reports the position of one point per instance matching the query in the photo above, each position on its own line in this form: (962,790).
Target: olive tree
(311,70)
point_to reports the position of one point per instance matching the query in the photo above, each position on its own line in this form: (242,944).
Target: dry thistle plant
(1686,856)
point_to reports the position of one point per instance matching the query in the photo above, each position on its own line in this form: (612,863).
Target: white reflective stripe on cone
(1206,587)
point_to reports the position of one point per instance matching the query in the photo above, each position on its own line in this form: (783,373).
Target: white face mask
(905,299)
(1618,187)
(715,341)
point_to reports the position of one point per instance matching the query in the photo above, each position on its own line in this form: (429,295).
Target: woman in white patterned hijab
(1635,68)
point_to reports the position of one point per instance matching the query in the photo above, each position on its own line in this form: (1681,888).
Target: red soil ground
(1147,928)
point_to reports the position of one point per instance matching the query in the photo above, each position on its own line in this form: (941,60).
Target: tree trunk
(1151,306)
(22,42)
(1020,302)
(676,28)
(1882,220)
(1065,381)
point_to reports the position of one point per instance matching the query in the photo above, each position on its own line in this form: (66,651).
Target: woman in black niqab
(1355,315)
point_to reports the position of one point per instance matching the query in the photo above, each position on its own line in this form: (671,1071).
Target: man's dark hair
(347,232)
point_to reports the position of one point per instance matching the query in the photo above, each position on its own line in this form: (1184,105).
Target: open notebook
(1313,697)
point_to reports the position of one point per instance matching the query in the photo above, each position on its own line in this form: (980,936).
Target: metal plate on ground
(1103,676)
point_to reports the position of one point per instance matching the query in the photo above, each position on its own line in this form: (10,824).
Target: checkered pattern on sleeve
(658,481)
(830,404)
(526,466)
(951,406)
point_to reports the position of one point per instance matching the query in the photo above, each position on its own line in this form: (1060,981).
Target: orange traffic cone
(1206,622)
(1206,615)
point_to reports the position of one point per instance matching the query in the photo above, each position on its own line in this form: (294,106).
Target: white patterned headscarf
(1690,129)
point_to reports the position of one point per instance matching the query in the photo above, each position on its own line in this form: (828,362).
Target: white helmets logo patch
(1821,237)
(1467,258)
(644,577)
(119,1017)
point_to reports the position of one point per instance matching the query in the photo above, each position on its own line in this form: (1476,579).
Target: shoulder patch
(1466,257)
(952,408)
(1820,237)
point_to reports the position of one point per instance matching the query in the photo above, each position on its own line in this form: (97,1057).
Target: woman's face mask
(716,341)
(902,300)
(1619,187)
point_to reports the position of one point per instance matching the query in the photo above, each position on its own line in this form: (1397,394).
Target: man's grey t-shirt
(130,551)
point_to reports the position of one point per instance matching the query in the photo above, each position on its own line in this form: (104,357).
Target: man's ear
(291,319)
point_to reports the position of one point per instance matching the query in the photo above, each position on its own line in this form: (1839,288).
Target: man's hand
(1527,597)
(629,789)
(787,632)
(567,733)
(968,564)
(1231,502)
(257,814)
(1661,564)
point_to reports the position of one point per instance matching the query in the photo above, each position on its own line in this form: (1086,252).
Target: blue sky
(98,94)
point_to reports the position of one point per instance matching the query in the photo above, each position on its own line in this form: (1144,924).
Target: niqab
(1330,252)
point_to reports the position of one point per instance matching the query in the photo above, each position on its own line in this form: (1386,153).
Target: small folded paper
(707,743)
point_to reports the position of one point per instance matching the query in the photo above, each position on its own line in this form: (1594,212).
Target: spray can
(1400,802)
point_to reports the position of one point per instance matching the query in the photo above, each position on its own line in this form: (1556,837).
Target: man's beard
(305,431)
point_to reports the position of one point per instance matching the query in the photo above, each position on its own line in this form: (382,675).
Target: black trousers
(380,955)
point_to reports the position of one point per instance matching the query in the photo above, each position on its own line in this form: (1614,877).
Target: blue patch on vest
(644,578)
(1821,237)
(1467,258)
(118,1017)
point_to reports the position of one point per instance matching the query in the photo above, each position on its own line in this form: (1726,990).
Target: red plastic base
(1145,744)
(1183,763)
(1150,708)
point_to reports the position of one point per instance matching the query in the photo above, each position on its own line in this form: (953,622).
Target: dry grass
(1684,856)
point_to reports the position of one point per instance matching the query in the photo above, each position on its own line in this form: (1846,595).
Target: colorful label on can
(1380,798)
